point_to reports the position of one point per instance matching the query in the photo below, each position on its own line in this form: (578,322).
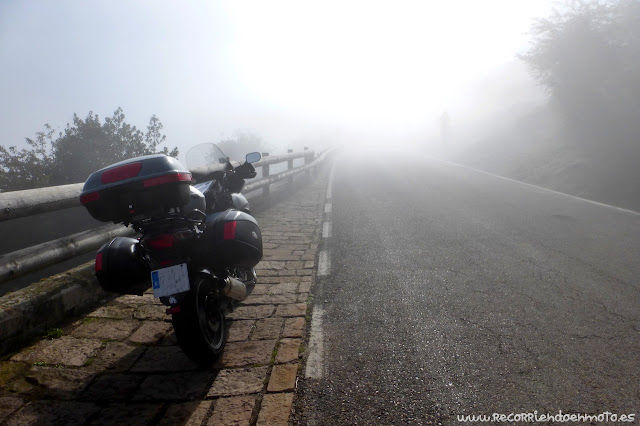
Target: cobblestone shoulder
(120,364)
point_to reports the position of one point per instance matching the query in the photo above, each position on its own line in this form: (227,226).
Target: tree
(587,55)
(242,143)
(153,137)
(27,168)
(84,147)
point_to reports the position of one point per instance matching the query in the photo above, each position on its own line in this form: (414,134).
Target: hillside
(533,149)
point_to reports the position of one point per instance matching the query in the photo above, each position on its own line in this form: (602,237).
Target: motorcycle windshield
(201,157)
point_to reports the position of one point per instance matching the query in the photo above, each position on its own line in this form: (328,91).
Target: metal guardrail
(41,200)
(33,201)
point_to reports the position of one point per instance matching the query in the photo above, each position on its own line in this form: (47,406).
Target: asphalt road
(452,292)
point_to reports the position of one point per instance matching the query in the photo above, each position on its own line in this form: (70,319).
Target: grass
(54,333)
(9,371)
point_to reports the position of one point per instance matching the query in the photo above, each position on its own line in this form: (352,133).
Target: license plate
(171,280)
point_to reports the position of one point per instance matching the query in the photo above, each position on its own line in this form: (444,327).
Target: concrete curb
(29,312)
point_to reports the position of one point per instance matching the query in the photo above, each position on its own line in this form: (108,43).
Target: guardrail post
(290,165)
(307,159)
(265,174)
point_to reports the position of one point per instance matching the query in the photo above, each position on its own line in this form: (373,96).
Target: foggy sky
(290,71)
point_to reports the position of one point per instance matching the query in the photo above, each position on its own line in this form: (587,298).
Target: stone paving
(120,364)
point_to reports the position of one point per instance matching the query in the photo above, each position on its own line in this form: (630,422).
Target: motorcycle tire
(200,326)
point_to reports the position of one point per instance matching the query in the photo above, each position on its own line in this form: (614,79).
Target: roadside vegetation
(81,148)
(586,139)
(89,144)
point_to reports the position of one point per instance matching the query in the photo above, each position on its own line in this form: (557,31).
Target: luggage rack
(158,224)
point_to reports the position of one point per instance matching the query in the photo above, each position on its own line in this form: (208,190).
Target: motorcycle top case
(231,238)
(136,188)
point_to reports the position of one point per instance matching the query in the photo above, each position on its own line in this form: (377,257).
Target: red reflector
(173,310)
(166,263)
(176,177)
(160,241)
(98,262)
(121,173)
(87,198)
(230,230)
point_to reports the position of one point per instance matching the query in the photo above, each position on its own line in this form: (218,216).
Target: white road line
(324,263)
(535,186)
(330,185)
(315,362)
(326,230)
(315,365)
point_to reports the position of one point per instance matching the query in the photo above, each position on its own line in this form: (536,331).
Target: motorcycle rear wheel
(200,326)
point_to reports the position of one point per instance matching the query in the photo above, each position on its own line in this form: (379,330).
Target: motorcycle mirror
(253,157)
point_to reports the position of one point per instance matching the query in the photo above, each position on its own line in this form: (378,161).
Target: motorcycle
(198,242)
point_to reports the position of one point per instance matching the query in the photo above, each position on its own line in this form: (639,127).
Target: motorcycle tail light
(173,310)
(176,177)
(230,230)
(98,262)
(87,198)
(160,241)
(116,174)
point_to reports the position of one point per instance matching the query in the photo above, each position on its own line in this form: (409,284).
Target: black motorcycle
(198,242)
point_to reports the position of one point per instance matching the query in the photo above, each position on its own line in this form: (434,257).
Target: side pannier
(231,238)
(120,266)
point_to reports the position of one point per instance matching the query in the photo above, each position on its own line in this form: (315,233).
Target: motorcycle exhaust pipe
(252,282)
(235,289)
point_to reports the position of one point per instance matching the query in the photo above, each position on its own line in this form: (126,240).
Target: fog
(294,73)
(522,97)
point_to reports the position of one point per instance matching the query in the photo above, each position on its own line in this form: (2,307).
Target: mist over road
(453,292)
